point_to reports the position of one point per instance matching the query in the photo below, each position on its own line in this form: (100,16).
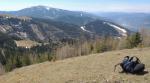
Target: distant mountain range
(42,23)
(74,17)
(132,21)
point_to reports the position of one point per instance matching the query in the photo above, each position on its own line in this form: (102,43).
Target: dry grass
(96,68)
(26,43)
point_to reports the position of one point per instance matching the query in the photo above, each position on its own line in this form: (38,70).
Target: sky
(80,5)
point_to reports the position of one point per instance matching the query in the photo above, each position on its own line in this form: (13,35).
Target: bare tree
(145,33)
(2,70)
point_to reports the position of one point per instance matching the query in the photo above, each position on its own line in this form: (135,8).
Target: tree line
(12,57)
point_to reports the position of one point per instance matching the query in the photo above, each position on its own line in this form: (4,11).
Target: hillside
(101,27)
(44,29)
(37,29)
(26,43)
(95,68)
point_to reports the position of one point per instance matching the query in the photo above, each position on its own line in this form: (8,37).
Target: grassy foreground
(95,68)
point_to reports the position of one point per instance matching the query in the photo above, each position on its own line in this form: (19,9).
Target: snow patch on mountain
(2,29)
(83,28)
(81,14)
(122,31)
(7,17)
(47,8)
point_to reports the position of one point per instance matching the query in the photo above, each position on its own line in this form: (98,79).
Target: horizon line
(98,11)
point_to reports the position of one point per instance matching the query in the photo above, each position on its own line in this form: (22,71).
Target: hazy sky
(83,5)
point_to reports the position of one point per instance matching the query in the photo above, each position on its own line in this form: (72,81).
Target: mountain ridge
(37,25)
(52,13)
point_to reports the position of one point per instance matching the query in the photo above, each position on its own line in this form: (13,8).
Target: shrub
(18,63)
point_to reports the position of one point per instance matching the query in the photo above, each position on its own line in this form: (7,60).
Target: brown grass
(26,43)
(95,68)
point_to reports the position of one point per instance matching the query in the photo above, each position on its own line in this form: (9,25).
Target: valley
(132,20)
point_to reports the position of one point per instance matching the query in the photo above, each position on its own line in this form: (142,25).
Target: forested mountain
(37,29)
(74,17)
(45,29)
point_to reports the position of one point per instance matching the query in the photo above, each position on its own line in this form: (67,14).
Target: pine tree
(134,40)
(18,62)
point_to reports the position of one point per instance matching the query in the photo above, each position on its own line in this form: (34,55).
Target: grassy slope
(26,43)
(96,68)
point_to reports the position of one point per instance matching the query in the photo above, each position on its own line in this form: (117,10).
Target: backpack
(129,65)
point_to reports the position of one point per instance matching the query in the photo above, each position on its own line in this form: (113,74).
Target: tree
(2,58)
(18,62)
(27,60)
(50,57)
(134,40)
